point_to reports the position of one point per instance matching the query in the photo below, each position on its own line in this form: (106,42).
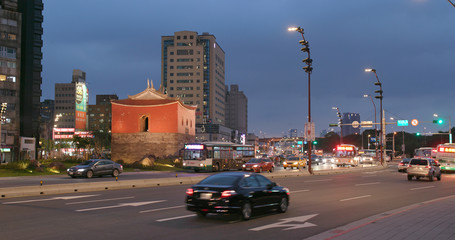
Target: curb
(27,191)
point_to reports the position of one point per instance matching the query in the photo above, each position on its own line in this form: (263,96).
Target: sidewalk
(433,219)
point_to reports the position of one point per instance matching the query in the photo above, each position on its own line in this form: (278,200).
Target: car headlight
(184,164)
(81,170)
(255,165)
(201,165)
(284,163)
(243,165)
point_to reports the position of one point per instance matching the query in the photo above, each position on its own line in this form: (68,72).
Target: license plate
(205,196)
(70,173)
(248,168)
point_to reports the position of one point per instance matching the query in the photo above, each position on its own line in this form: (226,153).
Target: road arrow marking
(288,225)
(133,204)
(50,199)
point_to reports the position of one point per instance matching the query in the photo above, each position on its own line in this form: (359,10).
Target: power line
(451,3)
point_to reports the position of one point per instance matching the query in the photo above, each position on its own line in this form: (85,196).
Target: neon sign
(345,148)
(194,147)
(446,150)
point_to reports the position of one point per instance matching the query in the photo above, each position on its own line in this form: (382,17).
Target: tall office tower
(71,100)
(236,109)
(30,66)
(100,115)
(192,68)
(10,79)
(349,118)
(47,119)
(293,133)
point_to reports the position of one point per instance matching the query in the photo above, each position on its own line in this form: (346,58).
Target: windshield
(88,162)
(293,159)
(193,155)
(220,180)
(254,160)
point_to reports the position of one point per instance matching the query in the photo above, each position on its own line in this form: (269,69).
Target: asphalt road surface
(318,204)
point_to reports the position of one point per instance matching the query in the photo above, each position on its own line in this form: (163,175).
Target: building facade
(349,118)
(71,101)
(47,119)
(10,79)
(236,110)
(150,123)
(192,69)
(100,114)
(31,68)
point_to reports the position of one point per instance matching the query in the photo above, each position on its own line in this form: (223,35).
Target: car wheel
(246,211)
(439,177)
(89,174)
(417,177)
(283,207)
(73,176)
(430,177)
(115,173)
(409,177)
(284,167)
(201,214)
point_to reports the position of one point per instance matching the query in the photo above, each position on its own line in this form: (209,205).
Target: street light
(308,69)
(378,83)
(340,122)
(375,125)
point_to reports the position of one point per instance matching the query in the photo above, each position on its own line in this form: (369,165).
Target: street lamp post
(378,83)
(308,69)
(375,125)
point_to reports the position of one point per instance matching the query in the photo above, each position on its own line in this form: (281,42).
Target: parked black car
(236,192)
(95,167)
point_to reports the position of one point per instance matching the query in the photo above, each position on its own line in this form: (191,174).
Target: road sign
(402,123)
(309,131)
(414,122)
(355,124)
(366,124)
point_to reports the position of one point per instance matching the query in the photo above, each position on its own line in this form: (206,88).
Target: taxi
(294,162)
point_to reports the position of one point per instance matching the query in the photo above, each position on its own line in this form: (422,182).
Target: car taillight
(409,165)
(427,166)
(189,192)
(228,193)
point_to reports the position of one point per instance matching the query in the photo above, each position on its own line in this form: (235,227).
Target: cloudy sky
(411,43)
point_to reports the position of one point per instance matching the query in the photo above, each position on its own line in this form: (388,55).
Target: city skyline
(407,42)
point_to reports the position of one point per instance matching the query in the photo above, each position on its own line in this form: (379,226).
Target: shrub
(18,165)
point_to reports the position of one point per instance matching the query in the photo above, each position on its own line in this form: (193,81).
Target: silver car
(423,167)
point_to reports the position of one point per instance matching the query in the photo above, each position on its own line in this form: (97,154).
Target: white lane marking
(373,172)
(287,224)
(160,209)
(322,180)
(412,189)
(101,200)
(133,204)
(51,199)
(354,198)
(174,218)
(370,176)
(297,191)
(365,184)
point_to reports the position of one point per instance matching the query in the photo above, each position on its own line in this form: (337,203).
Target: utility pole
(451,3)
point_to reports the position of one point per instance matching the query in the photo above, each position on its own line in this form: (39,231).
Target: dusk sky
(411,44)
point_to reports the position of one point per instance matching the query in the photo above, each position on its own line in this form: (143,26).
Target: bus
(425,152)
(445,155)
(216,156)
(346,154)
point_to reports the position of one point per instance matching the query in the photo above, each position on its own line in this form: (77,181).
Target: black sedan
(95,167)
(236,192)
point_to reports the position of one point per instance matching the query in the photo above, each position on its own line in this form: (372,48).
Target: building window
(144,124)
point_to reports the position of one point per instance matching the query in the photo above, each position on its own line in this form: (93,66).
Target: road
(318,204)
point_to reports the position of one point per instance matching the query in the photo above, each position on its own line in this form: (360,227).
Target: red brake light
(227,193)
(189,192)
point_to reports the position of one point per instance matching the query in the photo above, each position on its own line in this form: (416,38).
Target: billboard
(81,106)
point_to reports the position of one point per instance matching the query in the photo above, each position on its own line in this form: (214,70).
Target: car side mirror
(271,185)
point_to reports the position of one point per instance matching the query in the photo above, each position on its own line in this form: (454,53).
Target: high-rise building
(349,118)
(10,62)
(236,110)
(71,100)
(30,69)
(293,133)
(47,119)
(192,68)
(100,115)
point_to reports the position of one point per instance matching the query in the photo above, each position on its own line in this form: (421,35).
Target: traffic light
(417,134)
(438,121)
(315,142)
